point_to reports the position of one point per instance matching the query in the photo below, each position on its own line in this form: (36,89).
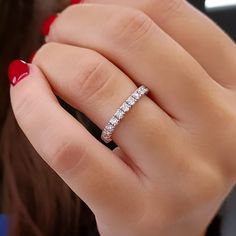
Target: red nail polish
(17,71)
(31,57)
(75,1)
(47,24)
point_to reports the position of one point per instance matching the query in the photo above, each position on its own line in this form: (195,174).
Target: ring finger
(132,41)
(93,85)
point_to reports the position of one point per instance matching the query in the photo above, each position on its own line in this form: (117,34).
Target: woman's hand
(175,162)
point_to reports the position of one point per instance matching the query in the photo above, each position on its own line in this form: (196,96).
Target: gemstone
(141,90)
(106,138)
(109,128)
(114,121)
(125,107)
(106,133)
(136,95)
(119,114)
(131,100)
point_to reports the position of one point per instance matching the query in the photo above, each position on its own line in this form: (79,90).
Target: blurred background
(223,12)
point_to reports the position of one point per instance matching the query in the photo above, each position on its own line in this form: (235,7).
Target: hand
(175,161)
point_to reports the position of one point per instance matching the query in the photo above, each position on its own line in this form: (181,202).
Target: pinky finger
(66,146)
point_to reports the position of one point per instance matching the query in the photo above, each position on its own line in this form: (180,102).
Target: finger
(200,36)
(126,159)
(143,51)
(93,85)
(66,146)
(119,153)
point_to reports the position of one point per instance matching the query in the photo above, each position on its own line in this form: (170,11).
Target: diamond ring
(120,113)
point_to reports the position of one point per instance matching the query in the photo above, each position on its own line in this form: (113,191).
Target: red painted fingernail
(47,24)
(75,1)
(17,71)
(31,57)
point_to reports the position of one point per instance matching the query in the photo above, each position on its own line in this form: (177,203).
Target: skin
(175,162)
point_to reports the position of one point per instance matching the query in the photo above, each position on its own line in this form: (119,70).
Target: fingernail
(47,24)
(31,57)
(75,2)
(17,71)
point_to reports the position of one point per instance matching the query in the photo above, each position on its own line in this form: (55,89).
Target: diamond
(136,95)
(105,132)
(114,121)
(131,101)
(143,90)
(106,138)
(105,135)
(109,128)
(146,90)
(119,114)
(125,107)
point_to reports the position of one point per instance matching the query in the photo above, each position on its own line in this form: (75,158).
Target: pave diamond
(105,135)
(136,95)
(131,100)
(125,107)
(119,114)
(114,121)
(109,128)
(142,90)
(106,138)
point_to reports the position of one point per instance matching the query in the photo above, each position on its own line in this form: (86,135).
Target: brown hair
(36,200)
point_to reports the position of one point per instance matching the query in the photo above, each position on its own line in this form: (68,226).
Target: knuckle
(130,27)
(66,155)
(25,105)
(55,32)
(44,52)
(92,79)
(69,11)
(171,5)
(58,26)
(166,8)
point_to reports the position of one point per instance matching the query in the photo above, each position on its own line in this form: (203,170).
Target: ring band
(120,113)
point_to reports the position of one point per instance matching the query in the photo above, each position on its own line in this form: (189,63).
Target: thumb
(89,168)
